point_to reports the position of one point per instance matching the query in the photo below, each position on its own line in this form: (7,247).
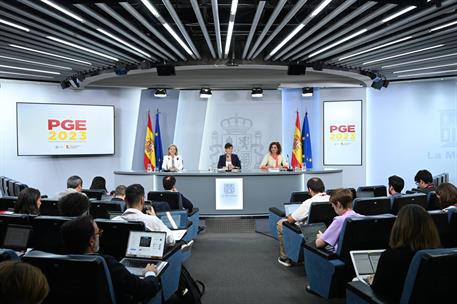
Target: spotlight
(121,70)
(160,93)
(378,83)
(296,69)
(74,82)
(386,83)
(372,75)
(64,84)
(205,93)
(307,92)
(257,92)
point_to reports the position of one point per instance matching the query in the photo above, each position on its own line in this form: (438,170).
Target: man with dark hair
(134,198)
(169,184)
(424,181)
(316,190)
(73,204)
(396,185)
(82,236)
(119,196)
(74,184)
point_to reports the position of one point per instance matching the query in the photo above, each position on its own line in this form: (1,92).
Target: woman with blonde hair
(172,161)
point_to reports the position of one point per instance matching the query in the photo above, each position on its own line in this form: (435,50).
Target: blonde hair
(172,145)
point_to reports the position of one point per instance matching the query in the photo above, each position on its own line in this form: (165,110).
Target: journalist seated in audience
(341,200)
(396,185)
(22,283)
(119,196)
(74,184)
(99,183)
(316,190)
(447,195)
(28,202)
(413,230)
(82,236)
(169,184)
(134,199)
(424,181)
(73,204)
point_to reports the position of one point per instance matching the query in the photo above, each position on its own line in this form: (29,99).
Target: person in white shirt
(172,161)
(74,184)
(134,198)
(316,190)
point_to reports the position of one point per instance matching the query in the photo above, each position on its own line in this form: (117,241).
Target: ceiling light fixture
(425,68)
(257,92)
(160,93)
(300,26)
(375,48)
(337,43)
(404,54)
(14,25)
(443,26)
(35,62)
(403,11)
(24,74)
(49,54)
(231,24)
(82,48)
(307,92)
(418,60)
(206,93)
(428,73)
(27,69)
(63,10)
(123,42)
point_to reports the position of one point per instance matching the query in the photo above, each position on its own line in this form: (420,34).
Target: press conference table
(261,189)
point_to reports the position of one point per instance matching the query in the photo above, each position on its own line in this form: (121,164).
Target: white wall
(49,174)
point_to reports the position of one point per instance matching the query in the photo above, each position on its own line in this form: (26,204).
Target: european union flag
(158,144)
(306,138)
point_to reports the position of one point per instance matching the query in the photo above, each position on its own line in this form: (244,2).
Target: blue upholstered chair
(402,200)
(299,196)
(441,220)
(101,209)
(431,278)
(194,217)
(8,255)
(170,277)
(179,218)
(7,202)
(49,207)
(372,205)
(17,219)
(46,233)
(372,191)
(328,272)
(274,215)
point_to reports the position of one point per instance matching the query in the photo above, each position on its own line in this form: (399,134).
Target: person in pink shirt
(341,200)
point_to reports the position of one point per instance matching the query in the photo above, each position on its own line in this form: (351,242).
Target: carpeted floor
(242,268)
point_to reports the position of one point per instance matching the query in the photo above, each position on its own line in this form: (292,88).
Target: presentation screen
(343,133)
(64,129)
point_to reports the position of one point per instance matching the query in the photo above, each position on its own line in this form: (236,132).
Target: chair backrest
(5,186)
(46,233)
(116,235)
(8,255)
(74,278)
(299,196)
(441,220)
(94,194)
(160,206)
(431,276)
(2,189)
(178,216)
(11,183)
(372,205)
(364,233)
(400,201)
(372,191)
(18,187)
(433,201)
(101,209)
(452,213)
(17,219)
(7,202)
(321,212)
(49,207)
(172,198)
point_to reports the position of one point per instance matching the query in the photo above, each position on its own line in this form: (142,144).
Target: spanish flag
(297,154)
(149,151)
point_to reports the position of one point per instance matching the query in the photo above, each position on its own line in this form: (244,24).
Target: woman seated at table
(229,160)
(274,159)
(172,161)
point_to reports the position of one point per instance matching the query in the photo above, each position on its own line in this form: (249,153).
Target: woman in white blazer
(172,161)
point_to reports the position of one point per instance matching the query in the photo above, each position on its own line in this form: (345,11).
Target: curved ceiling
(52,40)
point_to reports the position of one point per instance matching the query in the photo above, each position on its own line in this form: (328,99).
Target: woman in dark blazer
(229,160)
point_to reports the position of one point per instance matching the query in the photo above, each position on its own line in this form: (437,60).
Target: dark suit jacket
(129,288)
(235,161)
(186,204)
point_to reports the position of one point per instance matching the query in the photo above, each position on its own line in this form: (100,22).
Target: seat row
(10,187)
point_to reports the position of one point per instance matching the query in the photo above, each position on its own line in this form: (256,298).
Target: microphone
(288,162)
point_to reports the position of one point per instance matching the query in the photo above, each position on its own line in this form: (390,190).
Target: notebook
(310,231)
(17,237)
(144,247)
(178,234)
(365,263)
(290,208)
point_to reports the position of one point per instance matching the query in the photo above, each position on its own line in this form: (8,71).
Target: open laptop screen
(145,244)
(290,208)
(365,262)
(17,237)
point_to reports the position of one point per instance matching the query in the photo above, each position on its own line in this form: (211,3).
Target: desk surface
(223,172)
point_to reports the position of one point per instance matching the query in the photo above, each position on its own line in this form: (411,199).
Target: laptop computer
(290,208)
(365,263)
(310,231)
(113,214)
(17,238)
(144,247)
